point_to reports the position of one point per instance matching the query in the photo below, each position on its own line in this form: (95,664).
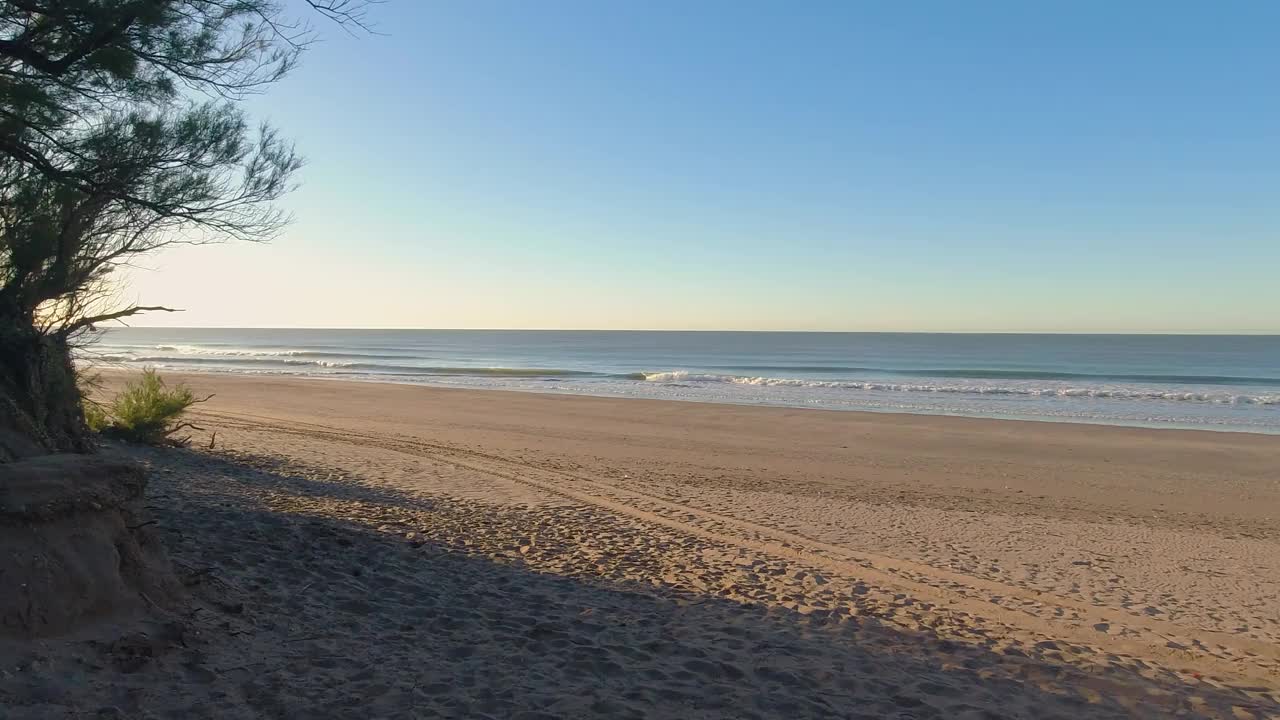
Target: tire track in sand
(985,600)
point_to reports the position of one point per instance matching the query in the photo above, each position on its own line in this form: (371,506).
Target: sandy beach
(396,360)
(369,550)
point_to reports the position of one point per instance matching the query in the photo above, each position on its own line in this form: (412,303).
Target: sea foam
(1124,393)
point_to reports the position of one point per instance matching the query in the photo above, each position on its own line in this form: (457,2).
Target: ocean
(1218,382)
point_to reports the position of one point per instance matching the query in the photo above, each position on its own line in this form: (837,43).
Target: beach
(382,360)
(379,550)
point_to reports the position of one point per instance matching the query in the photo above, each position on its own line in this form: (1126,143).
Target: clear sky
(1070,166)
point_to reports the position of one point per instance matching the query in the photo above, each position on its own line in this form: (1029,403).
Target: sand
(361,550)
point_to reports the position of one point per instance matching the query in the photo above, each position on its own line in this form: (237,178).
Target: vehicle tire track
(960,594)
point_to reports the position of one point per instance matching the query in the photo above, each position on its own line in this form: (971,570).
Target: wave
(205,351)
(231,362)
(340,357)
(488,372)
(228,360)
(684,377)
(999,374)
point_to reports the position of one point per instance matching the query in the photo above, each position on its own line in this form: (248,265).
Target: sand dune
(374,551)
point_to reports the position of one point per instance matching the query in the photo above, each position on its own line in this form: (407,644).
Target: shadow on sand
(308,600)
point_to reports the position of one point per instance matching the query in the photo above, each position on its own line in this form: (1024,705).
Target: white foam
(218,352)
(1025,390)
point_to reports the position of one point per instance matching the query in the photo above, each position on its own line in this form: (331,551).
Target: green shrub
(95,416)
(147,411)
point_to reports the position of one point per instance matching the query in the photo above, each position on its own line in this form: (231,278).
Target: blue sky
(1081,166)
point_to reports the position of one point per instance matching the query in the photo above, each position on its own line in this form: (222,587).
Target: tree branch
(56,68)
(90,321)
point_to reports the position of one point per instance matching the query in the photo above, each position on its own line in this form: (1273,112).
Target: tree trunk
(40,410)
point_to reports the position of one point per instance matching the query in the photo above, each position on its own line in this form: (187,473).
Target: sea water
(1222,382)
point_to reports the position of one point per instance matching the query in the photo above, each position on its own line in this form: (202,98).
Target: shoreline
(960,454)
(1165,426)
(870,411)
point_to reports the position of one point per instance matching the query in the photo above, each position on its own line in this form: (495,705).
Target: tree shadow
(311,599)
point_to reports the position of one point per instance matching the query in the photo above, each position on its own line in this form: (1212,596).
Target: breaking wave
(297,364)
(1001,374)
(186,351)
(1123,393)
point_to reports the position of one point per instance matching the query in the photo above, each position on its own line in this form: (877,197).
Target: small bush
(147,411)
(95,416)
